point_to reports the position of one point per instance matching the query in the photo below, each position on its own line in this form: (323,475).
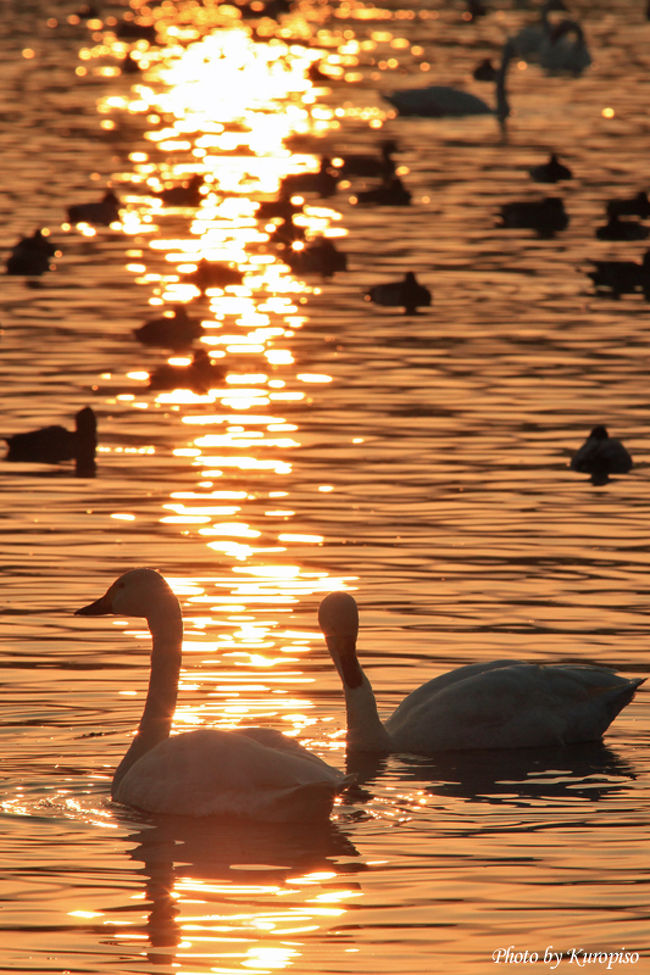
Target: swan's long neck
(166,627)
(365,730)
(502,110)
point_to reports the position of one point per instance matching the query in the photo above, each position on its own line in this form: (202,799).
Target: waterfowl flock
(503,704)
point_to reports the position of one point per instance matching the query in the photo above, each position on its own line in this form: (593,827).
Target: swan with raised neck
(499,704)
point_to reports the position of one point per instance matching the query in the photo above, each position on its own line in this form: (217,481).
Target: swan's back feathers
(437,101)
(504,702)
(254,773)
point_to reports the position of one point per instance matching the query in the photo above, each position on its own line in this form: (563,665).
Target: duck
(175,330)
(323,182)
(407,293)
(632,206)
(502,704)
(186,194)
(31,255)
(621,277)
(546,216)
(200,375)
(213,274)
(248,772)
(391,192)
(363,164)
(552,171)
(439,101)
(103,213)
(564,50)
(601,455)
(617,229)
(319,255)
(54,444)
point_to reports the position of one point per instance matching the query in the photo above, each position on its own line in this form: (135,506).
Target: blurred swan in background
(565,50)
(250,772)
(439,101)
(528,41)
(500,704)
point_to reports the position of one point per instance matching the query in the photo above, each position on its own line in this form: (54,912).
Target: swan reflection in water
(214,862)
(591,771)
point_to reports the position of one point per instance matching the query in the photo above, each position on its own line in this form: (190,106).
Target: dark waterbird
(320,256)
(363,164)
(103,212)
(186,194)
(390,193)
(407,294)
(214,274)
(31,255)
(323,182)
(175,330)
(54,444)
(200,375)
(600,456)
(551,171)
(621,277)
(631,206)
(617,229)
(547,217)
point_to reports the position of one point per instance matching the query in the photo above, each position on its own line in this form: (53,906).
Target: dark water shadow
(589,771)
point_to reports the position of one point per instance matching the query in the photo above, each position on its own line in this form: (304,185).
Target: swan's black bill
(99,608)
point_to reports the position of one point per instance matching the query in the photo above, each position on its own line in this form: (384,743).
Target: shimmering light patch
(123,516)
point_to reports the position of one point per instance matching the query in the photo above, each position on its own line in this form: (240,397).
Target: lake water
(421,461)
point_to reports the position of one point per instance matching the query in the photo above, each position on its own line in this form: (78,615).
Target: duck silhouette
(323,182)
(103,213)
(617,229)
(529,40)
(31,255)
(391,192)
(319,256)
(621,277)
(631,206)
(363,164)
(200,375)
(213,274)
(551,171)
(187,194)
(406,293)
(54,444)
(546,216)
(600,456)
(176,331)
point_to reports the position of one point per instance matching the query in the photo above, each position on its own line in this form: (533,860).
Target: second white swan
(501,704)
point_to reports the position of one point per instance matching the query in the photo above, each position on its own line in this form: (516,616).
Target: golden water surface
(420,461)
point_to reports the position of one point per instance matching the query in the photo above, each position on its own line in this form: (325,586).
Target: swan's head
(140,592)
(338,618)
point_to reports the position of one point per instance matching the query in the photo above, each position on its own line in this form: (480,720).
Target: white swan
(438,101)
(501,704)
(252,772)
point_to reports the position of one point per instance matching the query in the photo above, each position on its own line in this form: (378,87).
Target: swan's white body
(439,101)
(253,772)
(501,704)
